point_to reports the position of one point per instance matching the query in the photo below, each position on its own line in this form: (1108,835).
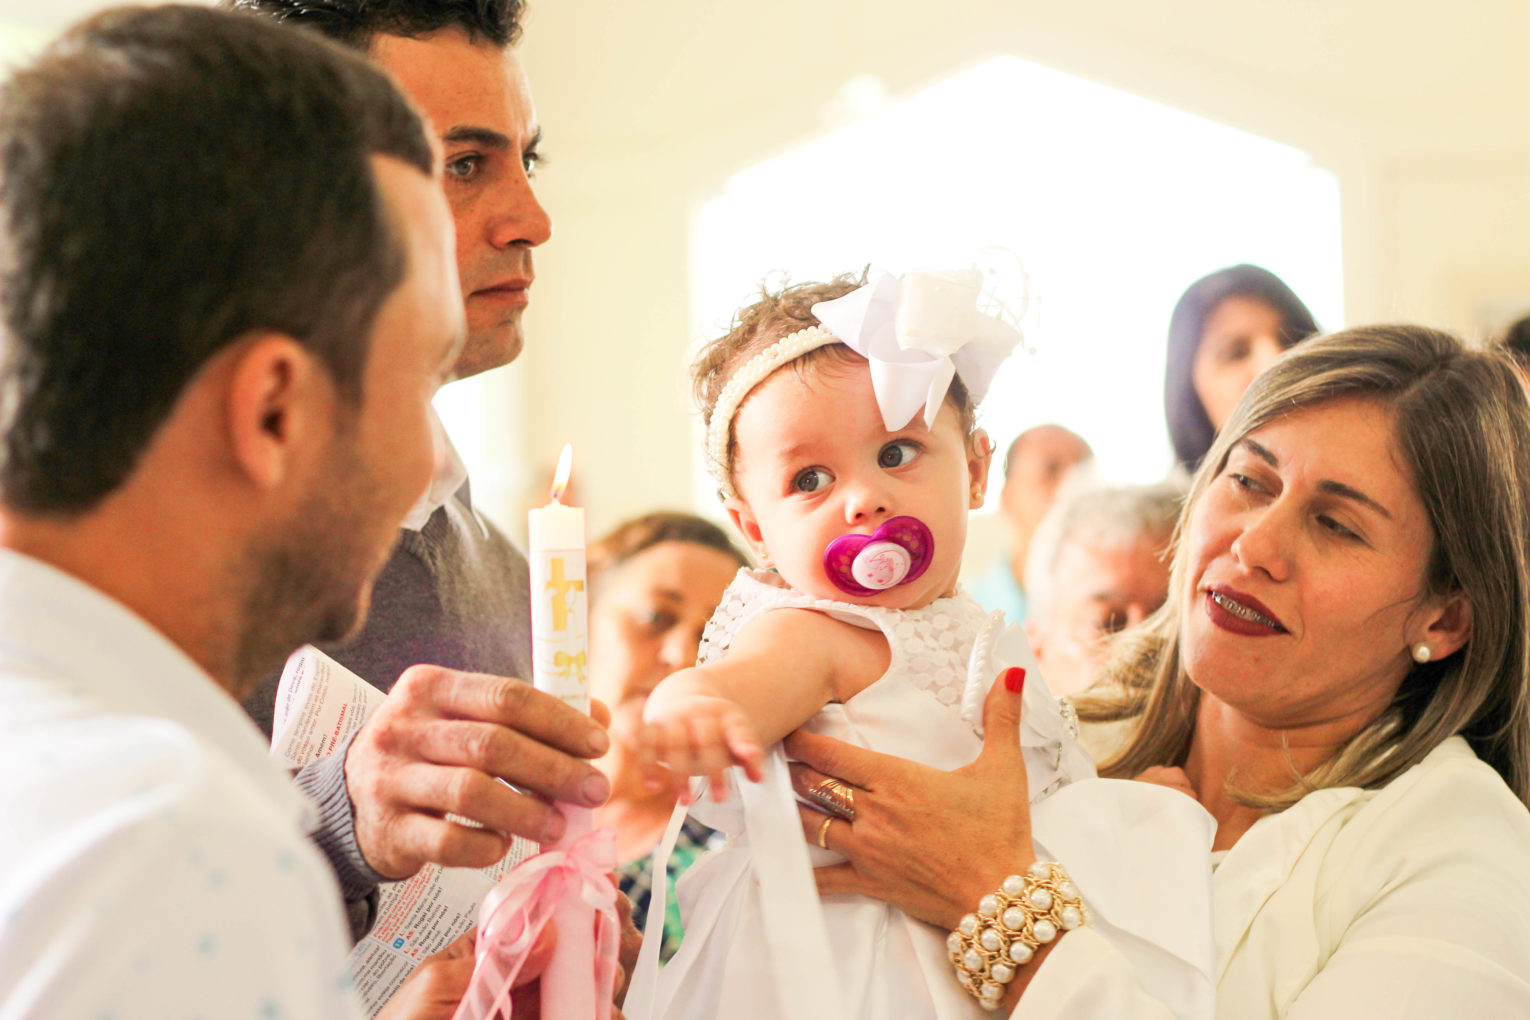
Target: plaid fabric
(636,880)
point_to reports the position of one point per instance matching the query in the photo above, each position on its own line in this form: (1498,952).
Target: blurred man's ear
(279,398)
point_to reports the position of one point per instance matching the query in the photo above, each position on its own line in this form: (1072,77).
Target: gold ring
(823,831)
(836,796)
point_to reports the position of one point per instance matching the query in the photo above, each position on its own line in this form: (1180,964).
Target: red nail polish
(1014,679)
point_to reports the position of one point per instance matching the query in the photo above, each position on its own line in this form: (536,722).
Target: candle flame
(560,476)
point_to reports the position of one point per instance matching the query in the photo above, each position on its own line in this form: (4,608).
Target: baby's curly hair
(775,316)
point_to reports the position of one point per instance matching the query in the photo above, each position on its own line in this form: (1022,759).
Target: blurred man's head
(1099,564)
(454,59)
(1516,343)
(226,304)
(1034,466)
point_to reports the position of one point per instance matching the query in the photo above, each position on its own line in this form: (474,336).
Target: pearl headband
(754,372)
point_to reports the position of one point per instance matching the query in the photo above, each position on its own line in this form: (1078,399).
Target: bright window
(1113,203)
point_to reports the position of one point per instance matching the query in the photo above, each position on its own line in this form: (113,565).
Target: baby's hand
(700,735)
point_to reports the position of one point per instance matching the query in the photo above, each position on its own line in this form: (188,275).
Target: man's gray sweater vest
(455,594)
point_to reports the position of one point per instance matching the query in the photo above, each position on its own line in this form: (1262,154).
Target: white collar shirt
(153,859)
(450,473)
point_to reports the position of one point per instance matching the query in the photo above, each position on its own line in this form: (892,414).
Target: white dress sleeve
(1086,976)
(1140,856)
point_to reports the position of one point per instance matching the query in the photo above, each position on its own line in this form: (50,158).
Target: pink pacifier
(896,553)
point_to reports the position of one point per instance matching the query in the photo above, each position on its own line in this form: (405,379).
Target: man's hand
(440,743)
(627,951)
(435,988)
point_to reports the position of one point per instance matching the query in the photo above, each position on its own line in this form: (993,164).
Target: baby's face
(814,462)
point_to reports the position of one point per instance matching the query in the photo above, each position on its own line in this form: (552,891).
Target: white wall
(1421,111)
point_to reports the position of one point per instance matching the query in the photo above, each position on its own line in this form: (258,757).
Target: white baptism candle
(560,667)
(559,601)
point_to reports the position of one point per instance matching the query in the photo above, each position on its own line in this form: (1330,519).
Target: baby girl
(841,429)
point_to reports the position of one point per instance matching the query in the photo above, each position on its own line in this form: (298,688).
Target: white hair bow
(918,331)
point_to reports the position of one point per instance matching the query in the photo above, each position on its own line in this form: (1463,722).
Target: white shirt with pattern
(153,859)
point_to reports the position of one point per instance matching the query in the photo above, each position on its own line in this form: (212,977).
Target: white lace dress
(733,961)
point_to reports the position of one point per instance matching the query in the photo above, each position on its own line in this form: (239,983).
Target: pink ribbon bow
(524,902)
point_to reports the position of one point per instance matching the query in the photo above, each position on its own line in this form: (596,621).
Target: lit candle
(559,602)
(560,667)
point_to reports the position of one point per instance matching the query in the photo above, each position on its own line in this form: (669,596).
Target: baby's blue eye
(898,454)
(811,480)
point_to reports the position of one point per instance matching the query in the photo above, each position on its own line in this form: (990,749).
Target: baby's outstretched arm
(783,667)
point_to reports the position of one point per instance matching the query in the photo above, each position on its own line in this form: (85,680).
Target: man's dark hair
(356,22)
(171,181)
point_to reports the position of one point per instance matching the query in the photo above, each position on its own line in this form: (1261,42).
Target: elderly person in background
(1099,564)
(1339,677)
(1227,327)
(1037,462)
(654,582)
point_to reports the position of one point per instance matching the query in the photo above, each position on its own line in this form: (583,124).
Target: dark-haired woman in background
(654,582)
(1227,328)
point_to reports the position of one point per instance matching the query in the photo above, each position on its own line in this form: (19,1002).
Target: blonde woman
(1339,678)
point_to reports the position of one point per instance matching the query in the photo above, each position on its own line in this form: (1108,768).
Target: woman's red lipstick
(1234,611)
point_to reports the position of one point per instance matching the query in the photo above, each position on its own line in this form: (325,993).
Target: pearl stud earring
(1422,653)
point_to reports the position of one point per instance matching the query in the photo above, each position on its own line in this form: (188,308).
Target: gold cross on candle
(560,586)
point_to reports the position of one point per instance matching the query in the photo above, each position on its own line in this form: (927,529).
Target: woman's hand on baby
(696,734)
(929,842)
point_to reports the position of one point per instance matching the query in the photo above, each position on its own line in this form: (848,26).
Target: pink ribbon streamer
(516,911)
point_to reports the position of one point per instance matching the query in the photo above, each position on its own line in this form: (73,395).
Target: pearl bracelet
(990,946)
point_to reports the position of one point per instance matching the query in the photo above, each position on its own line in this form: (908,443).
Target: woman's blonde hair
(1462,428)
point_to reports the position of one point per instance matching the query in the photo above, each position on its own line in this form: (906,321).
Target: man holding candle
(454,594)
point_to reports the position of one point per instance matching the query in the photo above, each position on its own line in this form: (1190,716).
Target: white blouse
(1409,901)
